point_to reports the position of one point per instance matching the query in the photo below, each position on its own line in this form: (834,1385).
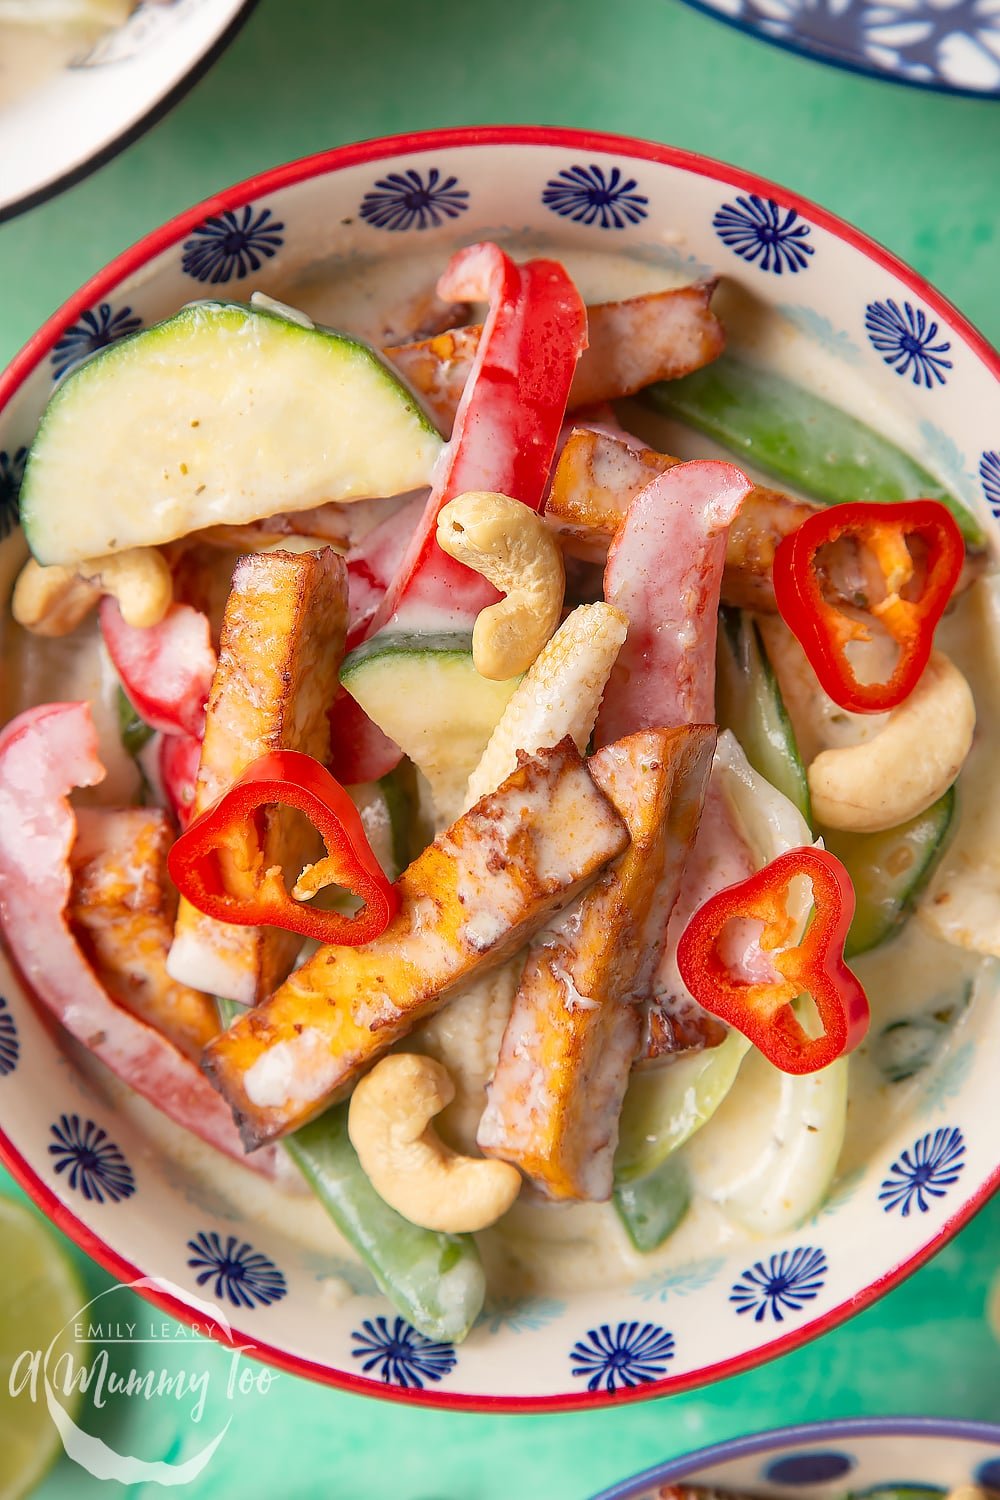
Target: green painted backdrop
(919,172)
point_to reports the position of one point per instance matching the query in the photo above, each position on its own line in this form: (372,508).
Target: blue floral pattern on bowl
(762,233)
(235,1270)
(11,474)
(404,200)
(232,245)
(989,473)
(97,328)
(630,1354)
(950,47)
(93,1164)
(592,195)
(925,1172)
(399,1354)
(10,1045)
(904,336)
(784,1284)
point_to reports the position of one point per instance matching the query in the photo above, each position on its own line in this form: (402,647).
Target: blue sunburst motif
(768,236)
(628,1355)
(97,328)
(925,1172)
(232,244)
(10,1046)
(904,336)
(93,1164)
(11,474)
(400,1354)
(784,1284)
(403,200)
(989,473)
(590,195)
(236,1269)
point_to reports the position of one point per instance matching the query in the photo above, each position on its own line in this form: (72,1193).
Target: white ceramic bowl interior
(828,1460)
(706,1317)
(85,112)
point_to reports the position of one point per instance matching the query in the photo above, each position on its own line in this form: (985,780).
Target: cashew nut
(140,580)
(407,1163)
(51,601)
(907,766)
(513,548)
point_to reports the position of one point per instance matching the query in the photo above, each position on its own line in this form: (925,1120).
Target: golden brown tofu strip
(469,900)
(597,478)
(282,644)
(576,1024)
(122,909)
(656,336)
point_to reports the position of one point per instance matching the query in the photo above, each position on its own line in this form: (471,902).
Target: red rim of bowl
(130,261)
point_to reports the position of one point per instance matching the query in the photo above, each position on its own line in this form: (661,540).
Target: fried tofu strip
(596,480)
(576,1025)
(121,911)
(282,643)
(656,336)
(473,897)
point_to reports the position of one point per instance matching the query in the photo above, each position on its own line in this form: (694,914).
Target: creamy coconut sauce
(540,1247)
(39,37)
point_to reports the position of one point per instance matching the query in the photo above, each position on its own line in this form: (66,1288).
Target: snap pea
(749,702)
(133,731)
(436,1281)
(665,1106)
(890,869)
(651,1208)
(790,433)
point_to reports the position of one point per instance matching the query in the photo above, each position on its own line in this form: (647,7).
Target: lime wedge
(41,1296)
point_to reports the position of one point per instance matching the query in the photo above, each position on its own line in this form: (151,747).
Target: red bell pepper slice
(507,425)
(165,669)
(179,759)
(44,754)
(762,1010)
(289,779)
(824,629)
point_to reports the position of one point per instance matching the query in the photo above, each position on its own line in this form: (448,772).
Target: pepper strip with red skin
(655,336)
(165,669)
(286,778)
(664,571)
(824,629)
(178,760)
(44,754)
(506,427)
(762,1010)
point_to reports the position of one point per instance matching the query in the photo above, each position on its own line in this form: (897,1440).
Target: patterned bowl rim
(805,1434)
(128,263)
(160,106)
(803,45)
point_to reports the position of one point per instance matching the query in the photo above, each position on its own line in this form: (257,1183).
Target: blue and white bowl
(829,1460)
(102,1175)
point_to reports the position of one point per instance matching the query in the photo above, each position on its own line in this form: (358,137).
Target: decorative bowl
(920,1456)
(83,114)
(950,48)
(102,1175)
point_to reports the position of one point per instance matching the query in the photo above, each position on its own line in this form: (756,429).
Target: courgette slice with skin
(786,431)
(906,1047)
(651,1208)
(423,691)
(749,702)
(388,809)
(435,1281)
(890,869)
(242,413)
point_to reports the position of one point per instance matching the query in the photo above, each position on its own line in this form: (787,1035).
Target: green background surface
(919,172)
